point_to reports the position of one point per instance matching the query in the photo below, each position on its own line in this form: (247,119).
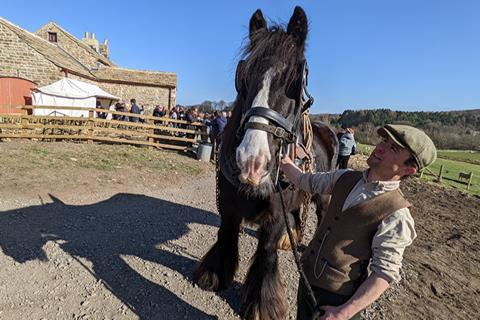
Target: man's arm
(314,183)
(366,294)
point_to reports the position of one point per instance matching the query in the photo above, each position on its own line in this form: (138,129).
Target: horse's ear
(298,25)
(257,23)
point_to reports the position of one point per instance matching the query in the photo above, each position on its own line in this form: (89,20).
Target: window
(52,36)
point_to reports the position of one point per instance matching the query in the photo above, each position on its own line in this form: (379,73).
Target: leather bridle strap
(278,132)
(271,115)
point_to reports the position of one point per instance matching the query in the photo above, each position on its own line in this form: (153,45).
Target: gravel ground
(78,248)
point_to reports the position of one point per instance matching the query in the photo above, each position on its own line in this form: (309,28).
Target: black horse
(268,120)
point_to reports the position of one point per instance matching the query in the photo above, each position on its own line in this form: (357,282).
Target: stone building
(41,58)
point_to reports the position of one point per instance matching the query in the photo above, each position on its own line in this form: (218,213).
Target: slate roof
(109,73)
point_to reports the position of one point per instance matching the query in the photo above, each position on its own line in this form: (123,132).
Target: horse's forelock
(266,49)
(271,48)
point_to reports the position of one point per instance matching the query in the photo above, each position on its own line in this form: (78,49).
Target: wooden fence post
(90,126)
(440,175)
(150,131)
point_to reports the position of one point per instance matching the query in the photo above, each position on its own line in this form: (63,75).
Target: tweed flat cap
(414,140)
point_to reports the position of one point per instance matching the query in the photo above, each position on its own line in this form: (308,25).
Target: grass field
(454,162)
(464,156)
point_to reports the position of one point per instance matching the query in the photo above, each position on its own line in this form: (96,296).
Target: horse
(269,118)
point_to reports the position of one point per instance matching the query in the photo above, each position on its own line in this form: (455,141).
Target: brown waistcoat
(338,256)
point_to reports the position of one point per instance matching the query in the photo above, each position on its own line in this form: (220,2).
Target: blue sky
(410,55)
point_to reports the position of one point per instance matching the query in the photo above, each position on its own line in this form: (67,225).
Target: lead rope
(317,311)
(307,167)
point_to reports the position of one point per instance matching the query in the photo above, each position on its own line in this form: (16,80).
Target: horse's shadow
(102,233)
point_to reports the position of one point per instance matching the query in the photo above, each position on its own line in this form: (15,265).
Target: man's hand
(333,313)
(286,160)
(292,172)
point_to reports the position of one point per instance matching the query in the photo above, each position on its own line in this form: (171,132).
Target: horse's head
(270,83)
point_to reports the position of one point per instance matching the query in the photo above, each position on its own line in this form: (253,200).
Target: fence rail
(463,177)
(18,122)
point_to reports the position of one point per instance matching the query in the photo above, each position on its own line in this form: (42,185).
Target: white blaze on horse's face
(253,154)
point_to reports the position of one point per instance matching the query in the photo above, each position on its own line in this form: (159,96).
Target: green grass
(454,161)
(364,149)
(451,170)
(460,155)
(100,157)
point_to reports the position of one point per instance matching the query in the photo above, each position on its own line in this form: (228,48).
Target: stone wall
(17,59)
(71,46)
(145,95)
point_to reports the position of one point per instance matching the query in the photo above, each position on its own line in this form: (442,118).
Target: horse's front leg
(217,268)
(263,294)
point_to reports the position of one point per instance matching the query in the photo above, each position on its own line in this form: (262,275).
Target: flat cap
(414,140)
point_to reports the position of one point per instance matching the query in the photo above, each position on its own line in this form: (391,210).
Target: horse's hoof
(205,279)
(284,242)
(271,311)
(208,281)
(250,313)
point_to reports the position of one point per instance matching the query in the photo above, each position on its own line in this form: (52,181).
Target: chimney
(91,42)
(104,49)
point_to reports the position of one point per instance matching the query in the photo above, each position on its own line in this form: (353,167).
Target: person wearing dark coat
(134,109)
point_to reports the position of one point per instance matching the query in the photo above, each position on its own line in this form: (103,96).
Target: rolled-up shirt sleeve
(320,182)
(394,234)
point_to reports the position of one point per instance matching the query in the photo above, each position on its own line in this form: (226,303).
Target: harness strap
(278,132)
(271,115)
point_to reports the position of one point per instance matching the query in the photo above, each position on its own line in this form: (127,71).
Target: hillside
(448,129)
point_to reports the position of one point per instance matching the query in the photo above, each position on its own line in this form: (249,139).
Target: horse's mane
(265,48)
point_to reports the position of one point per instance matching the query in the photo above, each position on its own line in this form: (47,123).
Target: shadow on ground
(125,224)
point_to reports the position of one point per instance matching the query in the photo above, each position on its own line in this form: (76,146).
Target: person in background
(158,111)
(142,113)
(218,125)
(357,249)
(101,115)
(134,109)
(347,147)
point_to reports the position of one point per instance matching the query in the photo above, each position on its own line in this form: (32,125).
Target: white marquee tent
(69,93)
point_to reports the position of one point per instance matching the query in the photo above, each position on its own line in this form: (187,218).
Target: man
(347,147)
(367,222)
(134,109)
(218,125)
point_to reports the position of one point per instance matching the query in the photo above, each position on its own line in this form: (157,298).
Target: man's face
(388,160)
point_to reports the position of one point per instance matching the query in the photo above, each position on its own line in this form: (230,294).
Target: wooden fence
(463,177)
(18,122)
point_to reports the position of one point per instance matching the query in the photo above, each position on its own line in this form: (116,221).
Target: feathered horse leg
(263,294)
(217,268)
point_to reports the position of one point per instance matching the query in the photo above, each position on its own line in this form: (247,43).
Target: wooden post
(470,181)
(440,176)
(90,126)
(24,120)
(151,131)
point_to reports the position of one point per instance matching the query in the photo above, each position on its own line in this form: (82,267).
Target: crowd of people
(214,122)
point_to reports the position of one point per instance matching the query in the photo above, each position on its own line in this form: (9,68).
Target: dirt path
(121,244)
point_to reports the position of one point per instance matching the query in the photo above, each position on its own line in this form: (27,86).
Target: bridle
(281,127)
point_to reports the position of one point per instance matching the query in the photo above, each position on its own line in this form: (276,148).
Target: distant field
(454,161)
(465,156)
(451,170)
